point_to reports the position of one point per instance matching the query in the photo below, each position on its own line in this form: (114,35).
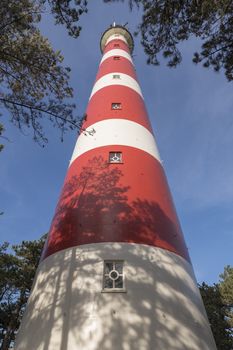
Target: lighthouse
(115,273)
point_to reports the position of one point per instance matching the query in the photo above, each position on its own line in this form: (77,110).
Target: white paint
(123,32)
(116,132)
(162,308)
(116,37)
(116,52)
(108,80)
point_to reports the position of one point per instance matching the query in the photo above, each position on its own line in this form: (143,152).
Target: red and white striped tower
(115,272)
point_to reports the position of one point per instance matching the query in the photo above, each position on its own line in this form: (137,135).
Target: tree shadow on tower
(161,309)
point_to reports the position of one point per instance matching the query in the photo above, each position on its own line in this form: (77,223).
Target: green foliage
(226,290)
(166,23)
(17,271)
(218,301)
(216,311)
(34,84)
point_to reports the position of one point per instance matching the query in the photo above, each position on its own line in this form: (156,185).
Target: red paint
(116,44)
(133,107)
(127,202)
(123,65)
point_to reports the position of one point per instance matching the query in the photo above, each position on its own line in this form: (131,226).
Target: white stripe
(116,132)
(108,80)
(162,301)
(116,37)
(116,52)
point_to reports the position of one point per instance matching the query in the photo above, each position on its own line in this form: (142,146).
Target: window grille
(116,105)
(115,157)
(113,279)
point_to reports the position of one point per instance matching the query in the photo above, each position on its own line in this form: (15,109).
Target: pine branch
(31,107)
(56,116)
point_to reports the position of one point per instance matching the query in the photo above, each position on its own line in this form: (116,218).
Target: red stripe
(128,202)
(133,107)
(116,44)
(122,65)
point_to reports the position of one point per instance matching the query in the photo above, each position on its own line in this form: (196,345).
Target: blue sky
(191,110)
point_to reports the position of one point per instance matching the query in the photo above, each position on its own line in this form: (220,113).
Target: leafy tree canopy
(17,271)
(34,84)
(166,23)
(216,311)
(226,290)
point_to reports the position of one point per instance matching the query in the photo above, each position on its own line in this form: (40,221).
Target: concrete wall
(161,308)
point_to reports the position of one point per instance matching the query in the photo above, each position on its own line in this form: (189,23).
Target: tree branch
(77,126)
(16,19)
(217,50)
(4,100)
(8,73)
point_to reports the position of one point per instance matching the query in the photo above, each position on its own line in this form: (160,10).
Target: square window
(115,157)
(116,105)
(113,277)
(116,58)
(116,76)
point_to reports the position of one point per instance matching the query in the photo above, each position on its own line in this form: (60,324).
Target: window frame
(114,289)
(118,104)
(116,76)
(109,159)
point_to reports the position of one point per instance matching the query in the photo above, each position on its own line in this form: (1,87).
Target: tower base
(160,308)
